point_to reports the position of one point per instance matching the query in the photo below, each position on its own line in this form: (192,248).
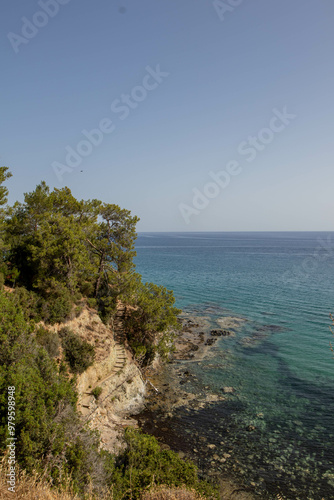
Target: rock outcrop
(115,372)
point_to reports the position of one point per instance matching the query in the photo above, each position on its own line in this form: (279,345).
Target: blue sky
(199,85)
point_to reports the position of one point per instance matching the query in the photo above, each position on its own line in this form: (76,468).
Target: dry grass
(34,487)
(166,493)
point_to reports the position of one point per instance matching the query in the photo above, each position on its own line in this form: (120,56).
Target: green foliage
(144,354)
(49,340)
(151,325)
(91,302)
(60,247)
(57,307)
(155,308)
(29,302)
(78,353)
(14,330)
(50,435)
(96,392)
(143,464)
(107,306)
(4,175)
(39,390)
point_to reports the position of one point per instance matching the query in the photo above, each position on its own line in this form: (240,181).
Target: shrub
(150,325)
(78,310)
(48,340)
(29,302)
(57,308)
(107,307)
(91,302)
(96,392)
(144,465)
(78,353)
(144,354)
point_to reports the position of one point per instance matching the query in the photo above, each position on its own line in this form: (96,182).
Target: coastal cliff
(71,359)
(121,387)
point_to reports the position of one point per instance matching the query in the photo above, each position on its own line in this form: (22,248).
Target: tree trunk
(98,281)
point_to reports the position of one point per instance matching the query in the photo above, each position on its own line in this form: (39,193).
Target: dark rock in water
(210,341)
(220,333)
(216,333)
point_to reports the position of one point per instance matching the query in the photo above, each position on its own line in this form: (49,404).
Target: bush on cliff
(150,325)
(78,353)
(144,465)
(49,340)
(50,436)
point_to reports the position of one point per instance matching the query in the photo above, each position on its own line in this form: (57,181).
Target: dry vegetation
(165,493)
(35,487)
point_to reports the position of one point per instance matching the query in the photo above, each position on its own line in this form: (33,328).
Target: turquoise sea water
(279,362)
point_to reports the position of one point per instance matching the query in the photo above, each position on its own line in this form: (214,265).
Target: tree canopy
(58,250)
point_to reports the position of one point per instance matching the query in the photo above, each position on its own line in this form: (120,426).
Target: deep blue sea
(279,361)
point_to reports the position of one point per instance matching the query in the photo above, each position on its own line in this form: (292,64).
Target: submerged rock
(227,390)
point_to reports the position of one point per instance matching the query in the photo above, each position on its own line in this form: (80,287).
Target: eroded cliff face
(123,394)
(122,388)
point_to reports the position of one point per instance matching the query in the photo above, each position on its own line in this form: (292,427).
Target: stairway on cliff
(88,400)
(118,324)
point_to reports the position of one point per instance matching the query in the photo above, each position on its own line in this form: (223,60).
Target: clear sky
(182,90)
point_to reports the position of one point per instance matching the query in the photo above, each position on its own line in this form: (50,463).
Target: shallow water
(277,425)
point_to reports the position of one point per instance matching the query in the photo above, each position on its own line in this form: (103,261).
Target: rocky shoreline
(175,391)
